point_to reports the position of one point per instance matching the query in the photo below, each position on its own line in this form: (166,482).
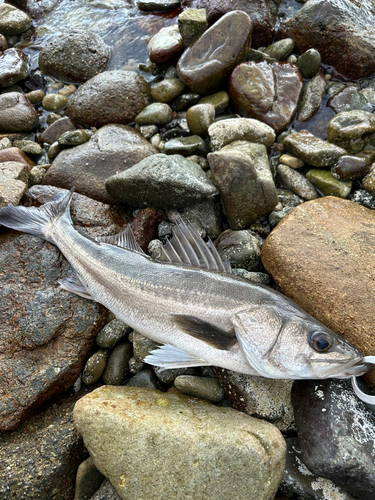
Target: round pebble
(94,367)
(200,117)
(54,102)
(118,364)
(155,114)
(309,63)
(167,90)
(113,332)
(73,137)
(200,387)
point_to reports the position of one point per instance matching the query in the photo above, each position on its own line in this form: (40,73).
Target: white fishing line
(362,395)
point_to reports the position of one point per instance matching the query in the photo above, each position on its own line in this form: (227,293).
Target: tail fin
(36,220)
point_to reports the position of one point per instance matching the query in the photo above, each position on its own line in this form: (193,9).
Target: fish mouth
(343,368)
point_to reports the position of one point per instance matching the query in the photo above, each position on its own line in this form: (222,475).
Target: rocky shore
(252,120)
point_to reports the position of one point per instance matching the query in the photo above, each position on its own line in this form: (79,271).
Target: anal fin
(73,284)
(168,356)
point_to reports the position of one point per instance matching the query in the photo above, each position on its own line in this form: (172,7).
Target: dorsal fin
(125,239)
(187,247)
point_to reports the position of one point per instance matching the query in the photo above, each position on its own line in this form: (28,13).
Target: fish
(190,302)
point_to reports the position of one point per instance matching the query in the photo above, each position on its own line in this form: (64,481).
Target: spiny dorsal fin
(125,239)
(187,247)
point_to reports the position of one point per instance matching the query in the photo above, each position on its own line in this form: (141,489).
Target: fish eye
(321,341)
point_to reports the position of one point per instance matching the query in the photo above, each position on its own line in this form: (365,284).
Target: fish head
(285,342)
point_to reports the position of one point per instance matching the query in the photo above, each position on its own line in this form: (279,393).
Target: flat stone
(14,67)
(311,98)
(336,432)
(157,5)
(297,182)
(224,132)
(192,23)
(349,98)
(14,170)
(350,129)
(161,181)
(320,256)
(312,150)
(165,45)
(245,454)
(328,184)
(17,114)
(11,190)
(280,50)
(111,149)
(15,154)
(110,97)
(242,173)
(267,92)
(55,130)
(205,64)
(291,161)
(186,146)
(220,101)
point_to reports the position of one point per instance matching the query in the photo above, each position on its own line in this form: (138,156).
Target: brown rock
(17,114)
(267,92)
(55,130)
(165,45)
(145,226)
(321,256)
(15,154)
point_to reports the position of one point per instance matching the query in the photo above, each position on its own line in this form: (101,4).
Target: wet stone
(157,5)
(267,92)
(12,20)
(3,43)
(291,161)
(311,98)
(168,376)
(186,146)
(56,130)
(184,101)
(200,117)
(73,138)
(94,367)
(145,226)
(14,67)
(312,150)
(200,387)
(350,168)
(35,96)
(53,151)
(112,333)
(15,154)
(368,182)
(148,130)
(348,99)
(17,114)
(54,102)
(165,45)
(167,90)
(202,162)
(220,101)
(297,182)
(146,379)
(88,480)
(309,63)
(349,129)
(280,49)
(155,114)
(206,63)
(328,184)
(192,23)
(117,367)
(241,248)
(74,56)
(240,129)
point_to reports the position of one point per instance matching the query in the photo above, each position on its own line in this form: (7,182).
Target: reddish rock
(15,154)
(145,226)
(165,45)
(55,130)
(321,255)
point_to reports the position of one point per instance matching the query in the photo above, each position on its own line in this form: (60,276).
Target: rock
(88,480)
(311,98)
(258,90)
(94,367)
(298,480)
(161,181)
(106,492)
(241,248)
(320,252)
(336,433)
(14,67)
(224,132)
(54,102)
(312,150)
(142,346)
(111,149)
(146,379)
(348,99)
(309,63)
(11,191)
(192,23)
(56,130)
(167,90)
(117,367)
(73,138)
(12,20)
(350,129)
(15,154)
(350,49)
(200,117)
(241,172)
(3,43)
(280,50)
(205,64)
(328,184)
(74,56)
(168,376)
(200,387)
(110,97)
(114,331)
(186,146)
(263,14)
(39,460)
(35,97)
(350,168)
(29,147)
(156,114)
(14,170)
(16,113)
(184,101)
(145,226)
(219,100)
(259,397)
(363,198)
(246,455)
(297,182)
(368,181)
(165,45)
(157,5)
(291,161)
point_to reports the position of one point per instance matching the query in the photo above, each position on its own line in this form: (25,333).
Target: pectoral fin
(202,330)
(73,284)
(168,356)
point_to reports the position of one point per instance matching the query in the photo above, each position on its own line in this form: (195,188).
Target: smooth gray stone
(146,379)
(117,368)
(309,63)
(200,387)
(113,331)
(241,248)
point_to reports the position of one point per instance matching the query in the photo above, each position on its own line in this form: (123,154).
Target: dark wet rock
(74,137)
(343,33)
(55,130)
(43,345)
(16,113)
(224,132)
(54,102)
(184,101)
(206,63)
(114,331)
(145,226)
(35,96)
(351,129)
(312,150)
(219,100)
(351,168)
(267,92)
(241,248)
(39,460)
(328,184)
(259,397)
(242,173)
(112,149)
(186,146)
(311,98)
(88,480)
(280,50)
(263,14)
(167,90)
(117,367)
(94,367)
(309,63)
(168,376)
(74,56)
(368,181)
(165,45)
(296,182)
(157,113)
(161,181)
(320,252)
(110,97)
(15,154)
(12,20)
(157,5)
(336,432)
(200,387)
(348,99)
(146,379)
(298,480)
(14,67)
(200,117)
(192,23)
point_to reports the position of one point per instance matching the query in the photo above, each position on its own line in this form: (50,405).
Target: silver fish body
(203,316)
